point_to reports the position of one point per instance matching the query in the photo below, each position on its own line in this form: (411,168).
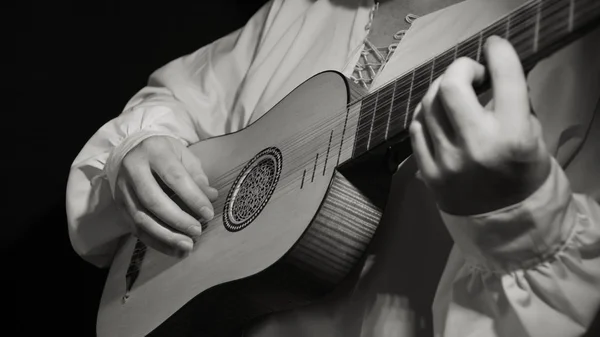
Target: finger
(435,117)
(458,96)
(193,165)
(150,231)
(156,201)
(421,147)
(508,79)
(172,172)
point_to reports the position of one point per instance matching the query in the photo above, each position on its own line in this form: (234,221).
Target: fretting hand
(478,159)
(155,218)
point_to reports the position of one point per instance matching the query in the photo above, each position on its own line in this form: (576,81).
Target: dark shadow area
(75,65)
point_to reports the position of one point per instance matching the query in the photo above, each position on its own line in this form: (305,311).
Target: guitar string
(385,90)
(336,120)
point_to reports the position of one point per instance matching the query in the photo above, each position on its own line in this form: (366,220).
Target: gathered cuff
(521,235)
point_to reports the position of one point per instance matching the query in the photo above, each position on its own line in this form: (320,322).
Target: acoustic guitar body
(291,222)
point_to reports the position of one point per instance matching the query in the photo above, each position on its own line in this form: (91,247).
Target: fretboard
(535,29)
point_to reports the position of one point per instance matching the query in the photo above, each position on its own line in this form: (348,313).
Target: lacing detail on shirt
(373,59)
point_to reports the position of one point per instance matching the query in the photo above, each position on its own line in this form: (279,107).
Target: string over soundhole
(252,189)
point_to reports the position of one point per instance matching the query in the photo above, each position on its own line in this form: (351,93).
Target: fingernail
(185,248)
(197,229)
(207,213)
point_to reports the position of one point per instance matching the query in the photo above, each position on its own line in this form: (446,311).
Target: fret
(522,29)
(387,127)
(372,119)
(382,113)
(571,11)
(442,62)
(407,111)
(419,88)
(536,30)
(363,129)
(479,47)
(468,48)
(400,103)
(554,22)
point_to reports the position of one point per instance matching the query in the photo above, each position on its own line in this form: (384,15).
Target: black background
(70,68)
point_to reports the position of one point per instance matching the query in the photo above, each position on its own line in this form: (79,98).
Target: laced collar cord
(373,59)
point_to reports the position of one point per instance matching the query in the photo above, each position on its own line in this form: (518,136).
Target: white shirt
(551,241)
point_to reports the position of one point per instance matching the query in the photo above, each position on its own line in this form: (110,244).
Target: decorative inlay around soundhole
(252,189)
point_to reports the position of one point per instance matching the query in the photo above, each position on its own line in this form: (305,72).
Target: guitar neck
(536,29)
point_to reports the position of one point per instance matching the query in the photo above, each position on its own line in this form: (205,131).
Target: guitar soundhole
(252,189)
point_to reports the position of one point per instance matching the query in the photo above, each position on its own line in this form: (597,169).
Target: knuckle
(148,200)
(475,153)
(449,86)
(485,158)
(522,146)
(152,204)
(414,128)
(450,164)
(174,173)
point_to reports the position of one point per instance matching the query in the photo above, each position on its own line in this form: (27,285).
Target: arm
(185,100)
(530,269)
(526,260)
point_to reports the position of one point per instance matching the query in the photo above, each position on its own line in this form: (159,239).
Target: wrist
(487,191)
(521,234)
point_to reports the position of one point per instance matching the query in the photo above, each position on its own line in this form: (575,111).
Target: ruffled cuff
(113,163)
(521,235)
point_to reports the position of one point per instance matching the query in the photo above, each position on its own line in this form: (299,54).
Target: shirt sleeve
(530,269)
(185,99)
